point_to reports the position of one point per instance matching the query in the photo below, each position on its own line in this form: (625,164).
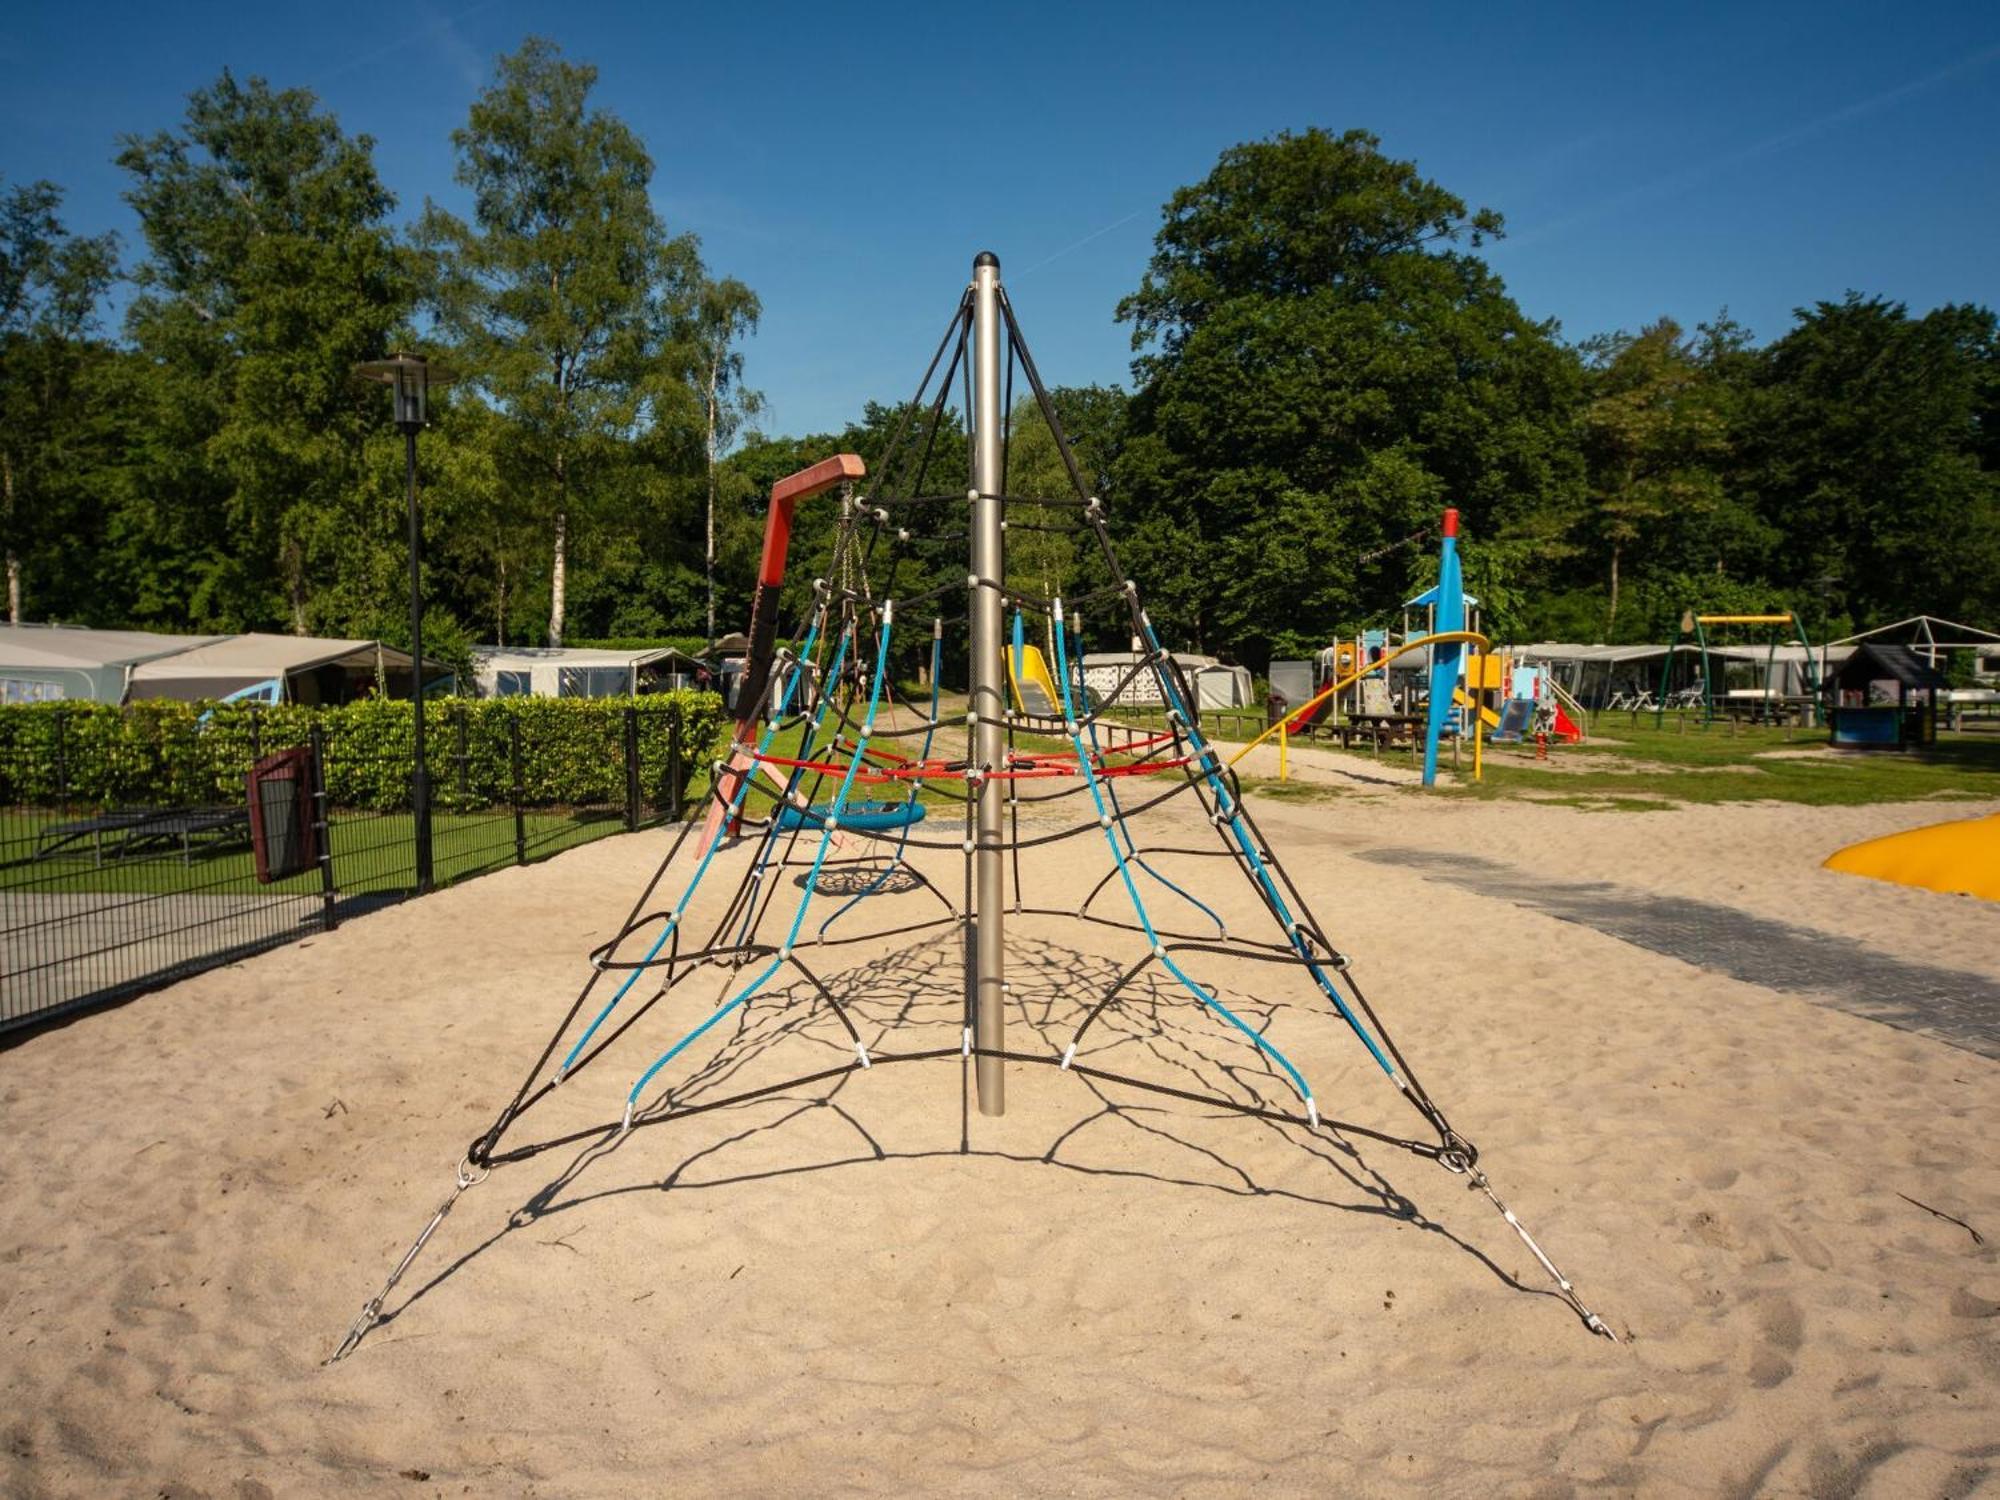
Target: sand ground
(863,1286)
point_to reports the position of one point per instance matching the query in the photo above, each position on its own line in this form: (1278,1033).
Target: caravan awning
(39,662)
(224,666)
(571,671)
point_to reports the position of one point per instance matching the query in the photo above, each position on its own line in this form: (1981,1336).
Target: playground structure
(1468,693)
(1702,693)
(792,810)
(1034,691)
(1858,720)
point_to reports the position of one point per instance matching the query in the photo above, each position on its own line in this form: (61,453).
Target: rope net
(844,783)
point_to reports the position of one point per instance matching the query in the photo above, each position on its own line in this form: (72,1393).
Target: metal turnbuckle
(466,1176)
(1477,1179)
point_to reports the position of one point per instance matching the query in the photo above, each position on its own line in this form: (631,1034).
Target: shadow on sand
(912,1000)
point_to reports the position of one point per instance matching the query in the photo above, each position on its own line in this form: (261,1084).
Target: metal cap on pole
(988,703)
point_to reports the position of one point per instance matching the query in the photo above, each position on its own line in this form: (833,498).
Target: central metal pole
(988,700)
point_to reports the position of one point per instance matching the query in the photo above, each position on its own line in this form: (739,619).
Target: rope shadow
(923,987)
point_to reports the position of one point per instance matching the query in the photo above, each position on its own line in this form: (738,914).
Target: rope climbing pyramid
(836,801)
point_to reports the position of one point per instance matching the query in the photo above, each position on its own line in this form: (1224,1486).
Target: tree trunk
(714,375)
(13,561)
(500,608)
(558,576)
(295,586)
(1611,615)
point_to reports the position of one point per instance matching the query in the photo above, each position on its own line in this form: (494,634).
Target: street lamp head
(410,378)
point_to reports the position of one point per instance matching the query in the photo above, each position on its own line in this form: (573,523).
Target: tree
(1325,366)
(566,298)
(1870,445)
(1654,436)
(271,272)
(1058,561)
(50,284)
(725,312)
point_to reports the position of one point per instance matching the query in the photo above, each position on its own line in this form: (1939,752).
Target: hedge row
(572,750)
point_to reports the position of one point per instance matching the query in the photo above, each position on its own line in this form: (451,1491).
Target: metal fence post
(631,767)
(62,759)
(323,827)
(674,762)
(420,795)
(519,792)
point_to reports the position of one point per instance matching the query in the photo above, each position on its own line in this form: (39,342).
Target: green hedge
(179,754)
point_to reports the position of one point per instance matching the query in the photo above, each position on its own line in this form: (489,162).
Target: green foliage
(50,284)
(1870,440)
(271,270)
(175,754)
(692,645)
(1324,363)
(568,303)
(725,312)
(1329,369)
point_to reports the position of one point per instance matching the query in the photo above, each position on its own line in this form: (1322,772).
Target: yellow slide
(1034,690)
(1486,715)
(1961,858)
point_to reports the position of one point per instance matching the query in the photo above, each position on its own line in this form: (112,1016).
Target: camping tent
(577,671)
(1931,637)
(39,663)
(1594,674)
(302,669)
(1107,672)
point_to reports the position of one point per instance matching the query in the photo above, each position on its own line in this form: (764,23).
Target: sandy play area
(1660,1029)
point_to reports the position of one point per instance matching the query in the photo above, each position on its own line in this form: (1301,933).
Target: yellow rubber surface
(1961,857)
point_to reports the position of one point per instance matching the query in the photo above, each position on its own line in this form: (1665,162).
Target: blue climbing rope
(902,838)
(1107,823)
(1205,758)
(827,832)
(735,807)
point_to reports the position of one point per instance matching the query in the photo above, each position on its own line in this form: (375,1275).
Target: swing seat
(862,816)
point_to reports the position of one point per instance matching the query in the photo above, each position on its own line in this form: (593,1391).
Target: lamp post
(410,378)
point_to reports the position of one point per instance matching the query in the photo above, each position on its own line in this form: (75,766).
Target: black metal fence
(125,865)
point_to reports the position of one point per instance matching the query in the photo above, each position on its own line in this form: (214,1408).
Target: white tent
(1930,637)
(41,663)
(576,671)
(1789,671)
(303,669)
(1593,673)
(1107,672)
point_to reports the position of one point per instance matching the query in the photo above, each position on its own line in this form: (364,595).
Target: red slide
(755,683)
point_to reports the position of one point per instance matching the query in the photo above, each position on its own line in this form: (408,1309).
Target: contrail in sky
(439,26)
(1093,235)
(1687,177)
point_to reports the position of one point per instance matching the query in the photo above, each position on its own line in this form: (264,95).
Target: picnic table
(1380,729)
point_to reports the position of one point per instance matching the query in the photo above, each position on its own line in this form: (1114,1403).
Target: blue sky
(848,162)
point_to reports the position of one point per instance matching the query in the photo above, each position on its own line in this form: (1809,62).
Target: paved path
(1950,1004)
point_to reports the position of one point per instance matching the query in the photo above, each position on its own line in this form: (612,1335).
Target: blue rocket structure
(1447,602)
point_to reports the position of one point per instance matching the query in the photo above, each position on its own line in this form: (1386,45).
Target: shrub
(572,750)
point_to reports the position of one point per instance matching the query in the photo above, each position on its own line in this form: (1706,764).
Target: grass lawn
(372,852)
(1632,767)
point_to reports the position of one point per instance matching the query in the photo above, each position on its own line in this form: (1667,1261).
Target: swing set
(1784,629)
